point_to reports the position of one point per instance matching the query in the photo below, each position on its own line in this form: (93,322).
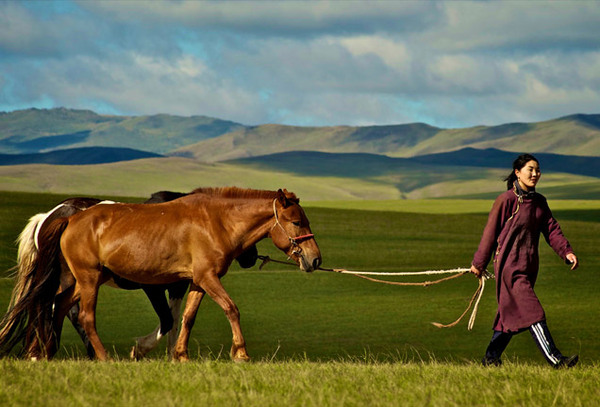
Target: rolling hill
(43,130)
(314,176)
(367,165)
(274,138)
(211,140)
(571,135)
(121,155)
(77,156)
(468,173)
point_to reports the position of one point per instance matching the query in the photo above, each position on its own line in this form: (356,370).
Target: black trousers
(541,336)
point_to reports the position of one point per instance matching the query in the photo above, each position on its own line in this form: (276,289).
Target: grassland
(330,339)
(292,383)
(142,177)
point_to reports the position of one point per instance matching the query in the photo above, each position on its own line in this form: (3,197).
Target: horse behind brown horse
(192,238)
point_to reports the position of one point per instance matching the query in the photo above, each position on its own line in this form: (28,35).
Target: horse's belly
(148,266)
(152,276)
(149,272)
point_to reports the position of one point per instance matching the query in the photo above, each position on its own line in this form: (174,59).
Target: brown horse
(192,238)
(168,313)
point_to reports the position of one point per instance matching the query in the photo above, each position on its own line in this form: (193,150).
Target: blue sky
(449,64)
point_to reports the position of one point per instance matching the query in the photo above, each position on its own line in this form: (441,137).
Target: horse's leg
(212,285)
(73,315)
(175,305)
(176,294)
(64,298)
(87,313)
(144,344)
(180,352)
(64,304)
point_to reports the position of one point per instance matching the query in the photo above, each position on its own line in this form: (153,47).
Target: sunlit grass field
(332,339)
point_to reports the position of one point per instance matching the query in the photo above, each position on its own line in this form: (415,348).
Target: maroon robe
(512,233)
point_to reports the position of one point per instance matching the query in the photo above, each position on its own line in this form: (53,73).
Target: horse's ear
(282,199)
(291,197)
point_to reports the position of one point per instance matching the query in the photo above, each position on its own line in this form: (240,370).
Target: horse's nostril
(316,263)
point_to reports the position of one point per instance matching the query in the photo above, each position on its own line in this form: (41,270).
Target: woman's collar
(521,192)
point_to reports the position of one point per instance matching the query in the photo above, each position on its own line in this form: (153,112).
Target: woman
(512,233)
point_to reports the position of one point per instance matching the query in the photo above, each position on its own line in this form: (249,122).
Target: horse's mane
(243,193)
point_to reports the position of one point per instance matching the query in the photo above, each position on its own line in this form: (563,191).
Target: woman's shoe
(487,361)
(566,362)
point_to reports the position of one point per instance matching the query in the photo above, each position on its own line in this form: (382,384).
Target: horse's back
(132,239)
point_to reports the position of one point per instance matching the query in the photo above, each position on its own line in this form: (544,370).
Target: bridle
(294,241)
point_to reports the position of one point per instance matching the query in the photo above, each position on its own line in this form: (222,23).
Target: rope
(376,280)
(410,273)
(458,272)
(476,297)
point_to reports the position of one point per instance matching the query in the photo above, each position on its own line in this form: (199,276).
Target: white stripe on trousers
(538,332)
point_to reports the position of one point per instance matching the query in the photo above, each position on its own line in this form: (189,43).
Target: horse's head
(291,232)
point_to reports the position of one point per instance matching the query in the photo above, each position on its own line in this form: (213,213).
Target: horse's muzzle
(309,263)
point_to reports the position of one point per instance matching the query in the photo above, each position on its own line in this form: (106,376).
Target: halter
(293,240)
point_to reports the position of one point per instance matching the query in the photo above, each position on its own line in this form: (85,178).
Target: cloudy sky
(449,64)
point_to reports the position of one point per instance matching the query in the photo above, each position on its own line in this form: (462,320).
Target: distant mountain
(42,130)
(494,158)
(362,165)
(570,135)
(77,156)
(211,140)
(275,138)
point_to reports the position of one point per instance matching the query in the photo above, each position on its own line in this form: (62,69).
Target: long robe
(512,234)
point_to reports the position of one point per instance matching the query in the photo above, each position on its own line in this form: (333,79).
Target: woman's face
(529,175)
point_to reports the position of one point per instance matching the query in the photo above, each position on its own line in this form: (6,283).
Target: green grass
(292,383)
(331,339)
(442,206)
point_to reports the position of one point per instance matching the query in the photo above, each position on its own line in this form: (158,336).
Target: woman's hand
(478,273)
(572,259)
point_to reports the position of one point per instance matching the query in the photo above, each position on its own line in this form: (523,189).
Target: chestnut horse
(168,312)
(194,238)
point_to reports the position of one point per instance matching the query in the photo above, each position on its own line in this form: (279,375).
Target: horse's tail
(26,256)
(29,317)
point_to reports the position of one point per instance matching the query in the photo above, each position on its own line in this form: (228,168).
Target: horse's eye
(296,223)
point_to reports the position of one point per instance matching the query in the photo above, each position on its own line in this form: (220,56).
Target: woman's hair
(518,164)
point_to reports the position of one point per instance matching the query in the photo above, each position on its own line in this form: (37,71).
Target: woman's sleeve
(554,235)
(489,239)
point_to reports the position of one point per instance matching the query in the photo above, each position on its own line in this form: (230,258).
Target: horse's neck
(255,224)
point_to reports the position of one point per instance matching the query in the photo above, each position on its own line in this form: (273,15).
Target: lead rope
(457,273)
(476,297)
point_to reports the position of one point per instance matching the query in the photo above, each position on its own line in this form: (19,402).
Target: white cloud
(446,63)
(276,18)
(394,53)
(518,26)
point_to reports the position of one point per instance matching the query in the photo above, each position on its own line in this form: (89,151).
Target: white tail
(26,255)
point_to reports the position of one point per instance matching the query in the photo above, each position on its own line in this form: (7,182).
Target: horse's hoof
(182,358)
(135,354)
(242,360)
